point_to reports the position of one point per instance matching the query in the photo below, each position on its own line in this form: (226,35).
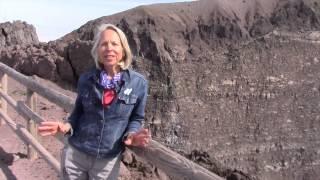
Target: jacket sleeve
(138,113)
(76,113)
(77,110)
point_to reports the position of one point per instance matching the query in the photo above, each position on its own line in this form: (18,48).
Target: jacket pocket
(126,104)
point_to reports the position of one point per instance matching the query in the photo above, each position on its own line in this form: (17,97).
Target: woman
(108,111)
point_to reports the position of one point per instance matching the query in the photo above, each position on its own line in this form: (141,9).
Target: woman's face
(110,49)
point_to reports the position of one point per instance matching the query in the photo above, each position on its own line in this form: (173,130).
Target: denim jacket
(98,130)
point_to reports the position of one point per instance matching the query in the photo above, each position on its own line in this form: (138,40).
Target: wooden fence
(173,164)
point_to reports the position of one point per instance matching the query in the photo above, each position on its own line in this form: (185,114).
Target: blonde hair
(125,62)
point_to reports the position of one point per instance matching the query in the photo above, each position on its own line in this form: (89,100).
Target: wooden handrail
(174,164)
(26,112)
(27,137)
(31,101)
(4,88)
(52,95)
(21,108)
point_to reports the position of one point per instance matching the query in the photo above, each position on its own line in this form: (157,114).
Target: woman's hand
(140,138)
(47,128)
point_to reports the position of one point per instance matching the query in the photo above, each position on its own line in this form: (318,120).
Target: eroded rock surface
(237,81)
(17,32)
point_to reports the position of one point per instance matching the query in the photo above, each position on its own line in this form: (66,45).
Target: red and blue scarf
(109,84)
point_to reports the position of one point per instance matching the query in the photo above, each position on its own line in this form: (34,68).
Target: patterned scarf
(107,82)
(109,85)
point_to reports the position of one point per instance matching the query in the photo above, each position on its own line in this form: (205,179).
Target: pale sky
(55,18)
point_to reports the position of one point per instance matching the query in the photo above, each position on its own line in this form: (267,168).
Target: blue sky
(55,18)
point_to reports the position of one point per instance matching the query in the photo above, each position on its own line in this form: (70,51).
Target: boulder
(17,33)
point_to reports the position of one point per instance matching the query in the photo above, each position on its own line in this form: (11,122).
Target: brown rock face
(234,85)
(34,59)
(17,33)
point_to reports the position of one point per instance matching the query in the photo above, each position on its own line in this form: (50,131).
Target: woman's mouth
(109,56)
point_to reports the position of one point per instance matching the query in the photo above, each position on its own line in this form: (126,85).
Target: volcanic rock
(17,33)
(236,80)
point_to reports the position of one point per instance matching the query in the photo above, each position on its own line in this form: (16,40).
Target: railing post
(4,88)
(31,101)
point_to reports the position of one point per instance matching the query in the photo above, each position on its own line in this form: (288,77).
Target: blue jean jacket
(98,130)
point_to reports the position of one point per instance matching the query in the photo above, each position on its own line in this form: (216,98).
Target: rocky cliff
(232,84)
(17,33)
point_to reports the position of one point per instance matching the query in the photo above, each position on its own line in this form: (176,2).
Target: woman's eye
(104,44)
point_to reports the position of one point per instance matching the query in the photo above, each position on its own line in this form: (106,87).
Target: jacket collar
(126,75)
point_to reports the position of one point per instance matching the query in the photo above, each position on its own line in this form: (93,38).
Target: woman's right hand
(47,128)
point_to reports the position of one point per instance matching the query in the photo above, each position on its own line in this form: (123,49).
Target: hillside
(233,84)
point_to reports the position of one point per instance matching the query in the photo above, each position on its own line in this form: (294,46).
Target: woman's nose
(109,46)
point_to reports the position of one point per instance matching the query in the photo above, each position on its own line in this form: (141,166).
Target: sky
(55,18)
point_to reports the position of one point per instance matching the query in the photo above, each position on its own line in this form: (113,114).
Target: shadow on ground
(6,160)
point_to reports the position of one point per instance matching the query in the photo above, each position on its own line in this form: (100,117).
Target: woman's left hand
(140,138)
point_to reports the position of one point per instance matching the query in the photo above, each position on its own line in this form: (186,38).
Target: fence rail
(24,134)
(170,162)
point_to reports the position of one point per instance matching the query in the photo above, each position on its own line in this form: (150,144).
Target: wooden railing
(173,164)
